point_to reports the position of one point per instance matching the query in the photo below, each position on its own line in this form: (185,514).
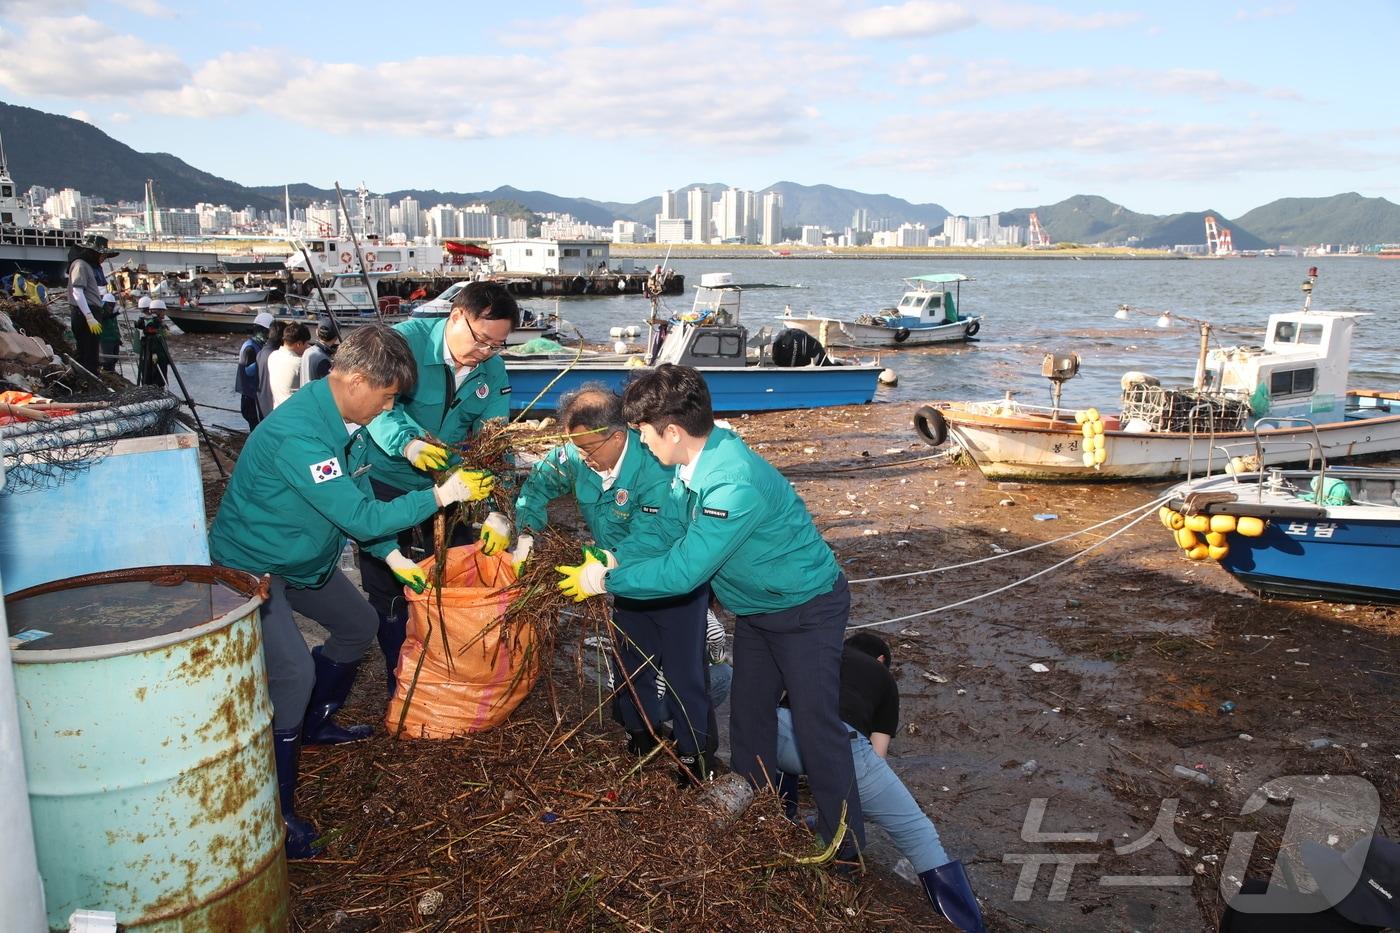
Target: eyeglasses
(595,443)
(481,344)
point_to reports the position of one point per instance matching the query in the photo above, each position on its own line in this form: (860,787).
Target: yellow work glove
(465,486)
(521,553)
(584,580)
(495,534)
(425,456)
(93,327)
(408,573)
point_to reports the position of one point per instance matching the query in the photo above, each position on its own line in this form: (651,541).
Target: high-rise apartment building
(408,218)
(377,218)
(670,209)
(698,204)
(772,218)
(860,220)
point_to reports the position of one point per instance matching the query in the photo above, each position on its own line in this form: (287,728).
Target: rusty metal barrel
(147,738)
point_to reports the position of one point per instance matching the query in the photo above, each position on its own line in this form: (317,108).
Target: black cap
(1363,883)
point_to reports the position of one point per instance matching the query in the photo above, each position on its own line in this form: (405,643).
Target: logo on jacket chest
(620,498)
(483,390)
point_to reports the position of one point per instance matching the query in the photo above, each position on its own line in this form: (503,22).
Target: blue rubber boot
(787,792)
(950,893)
(286,748)
(392,631)
(333,682)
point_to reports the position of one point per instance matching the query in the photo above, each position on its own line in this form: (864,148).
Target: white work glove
(521,552)
(495,534)
(425,456)
(408,573)
(464,486)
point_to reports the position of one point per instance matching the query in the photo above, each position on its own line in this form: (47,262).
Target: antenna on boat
(1308,287)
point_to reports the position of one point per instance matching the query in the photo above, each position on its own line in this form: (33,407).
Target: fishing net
(42,454)
(1184,410)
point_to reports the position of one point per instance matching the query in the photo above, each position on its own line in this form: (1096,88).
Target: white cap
(156,305)
(144,303)
(109,298)
(264,320)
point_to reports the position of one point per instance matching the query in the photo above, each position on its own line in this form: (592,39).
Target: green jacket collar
(709,460)
(325,405)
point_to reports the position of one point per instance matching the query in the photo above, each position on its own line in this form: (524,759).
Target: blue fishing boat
(745,372)
(1331,533)
(928,313)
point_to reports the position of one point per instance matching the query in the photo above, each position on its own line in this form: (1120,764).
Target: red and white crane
(1035,233)
(1218,242)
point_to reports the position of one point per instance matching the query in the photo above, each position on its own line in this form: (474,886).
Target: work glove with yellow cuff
(425,456)
(495,534)
(521,552)
(464,486)
(408,572)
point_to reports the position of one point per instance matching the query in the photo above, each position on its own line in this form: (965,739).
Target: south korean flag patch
(326,470)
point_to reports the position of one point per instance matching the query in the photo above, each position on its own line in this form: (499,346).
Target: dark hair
(592,406)
(871,644)
(381,355)
(488,301)
(670,394)
(296,332)
(326,331)
(276,333)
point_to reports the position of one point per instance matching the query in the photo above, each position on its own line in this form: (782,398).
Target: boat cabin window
(7,218)
(570,251)
(316,246)
(911,303)
(6,191)
(529,252)
(1293,381)
(551,252)
(718,344)
(1291,332)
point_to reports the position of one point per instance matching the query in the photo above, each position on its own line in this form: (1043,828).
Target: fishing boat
(1295,382)
(345,294)
(37,254)
(739,368)
(1325,533)
(336,255)
(928,313)
(233,296)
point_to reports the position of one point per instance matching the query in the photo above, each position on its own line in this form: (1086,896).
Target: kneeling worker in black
(618,486)
(300,486)
(734,520)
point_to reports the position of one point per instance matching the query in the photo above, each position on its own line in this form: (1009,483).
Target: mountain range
(60,152)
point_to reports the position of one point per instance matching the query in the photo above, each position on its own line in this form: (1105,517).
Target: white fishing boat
(1292,389)
(532,325)
(336,256)
(233,296)
(346,295)
(928,313)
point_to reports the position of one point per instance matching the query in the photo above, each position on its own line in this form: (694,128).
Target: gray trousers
(340,609)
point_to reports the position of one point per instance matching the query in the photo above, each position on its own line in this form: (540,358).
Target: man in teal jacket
(300,486)
(619,486)
(461,383)
(734,520)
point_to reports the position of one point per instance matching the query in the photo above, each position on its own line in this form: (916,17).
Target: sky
(979,106)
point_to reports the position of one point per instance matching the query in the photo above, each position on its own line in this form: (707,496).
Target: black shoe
(286,748)
(950,893)
(333,683)
(787,792)
(694,769)
(640,744)
(392,631)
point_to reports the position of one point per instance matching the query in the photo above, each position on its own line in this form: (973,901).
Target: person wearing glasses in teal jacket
(461,384)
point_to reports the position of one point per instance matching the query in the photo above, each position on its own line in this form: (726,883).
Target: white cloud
(82,58)
(1267,12)
(910,19)
(152,8)
(1010,187)
(1049,19)
(80,115)
(984,80)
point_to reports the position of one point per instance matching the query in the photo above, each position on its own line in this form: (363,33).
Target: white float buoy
(620,346)
(888,377)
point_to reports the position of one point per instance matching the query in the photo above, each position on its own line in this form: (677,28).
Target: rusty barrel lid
(118,612)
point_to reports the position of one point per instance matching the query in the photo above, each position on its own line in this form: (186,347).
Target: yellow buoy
(1098,427)
(1199,552)
(1223,524)
(1186,539)
(1081,416)
(1091,414)
(1088,458)
(1165,514)
(1100,455)
(1177,521)
(1198,522)
(1218,552)
(1249,526)
(1086,429)
(1216,539)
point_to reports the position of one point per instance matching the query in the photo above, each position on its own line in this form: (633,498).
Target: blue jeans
(884,799)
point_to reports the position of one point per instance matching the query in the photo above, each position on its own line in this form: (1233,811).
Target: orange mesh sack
(492,664)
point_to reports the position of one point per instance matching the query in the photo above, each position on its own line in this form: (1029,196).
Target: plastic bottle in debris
(727,797)
(1029,768)
(1198,776)
(905,870)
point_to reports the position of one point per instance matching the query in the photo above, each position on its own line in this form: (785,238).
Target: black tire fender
(973,328)
(930,425)
(901,335)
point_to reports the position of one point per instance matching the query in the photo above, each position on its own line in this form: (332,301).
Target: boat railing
(1315,445)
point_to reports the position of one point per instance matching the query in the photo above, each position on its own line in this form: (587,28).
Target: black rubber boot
(950,893)
(392,631)
(695,769)
(787,792)
(333,682)
(640,743)
(286,748)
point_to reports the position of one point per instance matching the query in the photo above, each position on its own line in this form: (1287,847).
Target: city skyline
(981,108)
